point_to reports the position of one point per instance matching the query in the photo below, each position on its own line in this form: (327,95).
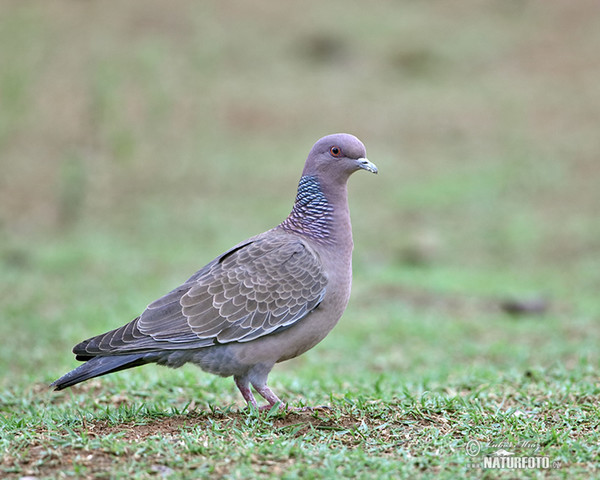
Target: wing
(254,289)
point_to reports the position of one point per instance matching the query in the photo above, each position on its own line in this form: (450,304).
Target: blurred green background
(140,139)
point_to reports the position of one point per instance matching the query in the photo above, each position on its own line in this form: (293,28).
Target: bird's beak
(366,165)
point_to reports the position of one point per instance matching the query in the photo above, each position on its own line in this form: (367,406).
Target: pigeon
(266,300)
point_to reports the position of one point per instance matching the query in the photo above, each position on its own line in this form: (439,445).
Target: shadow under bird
(268,299)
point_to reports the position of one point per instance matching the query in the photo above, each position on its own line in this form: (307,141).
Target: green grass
(140,141)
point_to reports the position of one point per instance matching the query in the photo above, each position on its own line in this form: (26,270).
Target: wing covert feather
(256,288)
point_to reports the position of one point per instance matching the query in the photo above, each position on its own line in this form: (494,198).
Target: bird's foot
(274,403)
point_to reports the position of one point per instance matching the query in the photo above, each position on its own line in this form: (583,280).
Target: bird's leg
(244,388)
(268,395)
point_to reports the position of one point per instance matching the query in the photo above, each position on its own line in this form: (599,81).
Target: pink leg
(244,389)
(269,396)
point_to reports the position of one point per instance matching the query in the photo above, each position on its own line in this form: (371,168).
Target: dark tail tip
(98,366)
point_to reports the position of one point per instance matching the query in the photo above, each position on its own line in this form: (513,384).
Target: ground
(138,142)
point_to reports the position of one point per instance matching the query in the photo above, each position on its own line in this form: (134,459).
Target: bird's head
(336,157)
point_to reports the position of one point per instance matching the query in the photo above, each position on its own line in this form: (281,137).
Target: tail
(101,365)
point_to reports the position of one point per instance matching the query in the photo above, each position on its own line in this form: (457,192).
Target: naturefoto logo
(508,455)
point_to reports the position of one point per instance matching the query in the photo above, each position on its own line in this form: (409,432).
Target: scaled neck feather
(312,214)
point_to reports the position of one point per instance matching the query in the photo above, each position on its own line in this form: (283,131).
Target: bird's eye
(335,151)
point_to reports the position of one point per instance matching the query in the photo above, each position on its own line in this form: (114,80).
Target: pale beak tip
(365,164)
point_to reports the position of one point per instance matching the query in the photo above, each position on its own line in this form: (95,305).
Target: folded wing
(257,288)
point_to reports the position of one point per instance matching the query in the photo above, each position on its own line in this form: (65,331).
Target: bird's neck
(314,214)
